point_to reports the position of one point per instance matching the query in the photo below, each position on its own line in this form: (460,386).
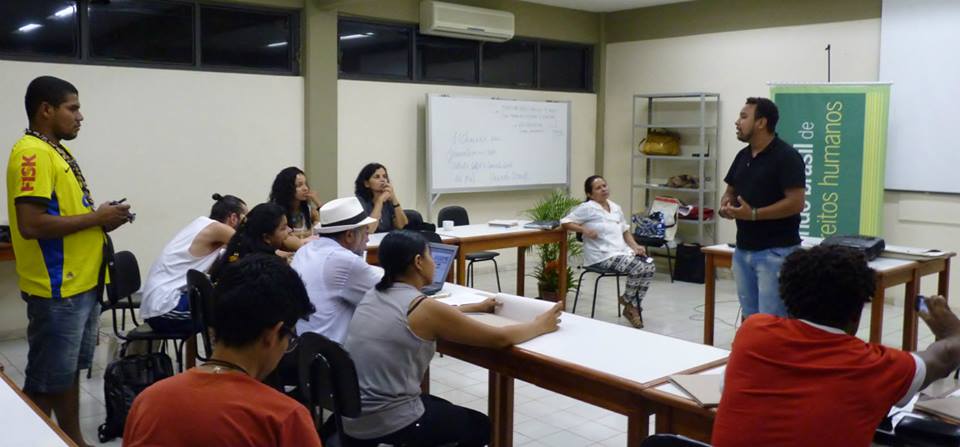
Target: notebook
(703,388)
(443,257)
(947,409)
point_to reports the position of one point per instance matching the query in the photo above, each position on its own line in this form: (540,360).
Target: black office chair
(459,217)
(201,308)
(665,440)
(124,281)
(601,273)
(415,222)
(328,380)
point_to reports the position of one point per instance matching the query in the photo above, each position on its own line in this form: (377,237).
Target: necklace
(223,365)
(72,162)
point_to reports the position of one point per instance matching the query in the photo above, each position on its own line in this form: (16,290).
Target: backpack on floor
(123,380)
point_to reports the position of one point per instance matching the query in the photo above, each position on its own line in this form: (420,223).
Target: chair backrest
(328,377)
(413,217)
(455,213)
(124,277)
(431,236)
(200,293)
(665,440)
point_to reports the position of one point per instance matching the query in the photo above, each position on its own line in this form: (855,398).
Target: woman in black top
(264,231)
(301,205)
(378,198)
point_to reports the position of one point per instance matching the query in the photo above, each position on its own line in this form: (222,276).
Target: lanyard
(72,162)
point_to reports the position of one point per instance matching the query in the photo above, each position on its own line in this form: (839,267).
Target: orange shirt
(203,409)
(789,383)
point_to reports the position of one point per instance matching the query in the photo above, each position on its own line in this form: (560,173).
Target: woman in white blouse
(608,244)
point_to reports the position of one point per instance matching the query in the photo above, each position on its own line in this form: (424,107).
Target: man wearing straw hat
(333,268)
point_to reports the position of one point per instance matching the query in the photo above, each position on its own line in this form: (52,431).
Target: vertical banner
(840,131)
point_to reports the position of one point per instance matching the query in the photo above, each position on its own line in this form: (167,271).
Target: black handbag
(690,264)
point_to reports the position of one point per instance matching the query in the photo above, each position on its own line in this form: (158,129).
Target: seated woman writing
(378,198)
(264,231)
(392,339)
(608,244)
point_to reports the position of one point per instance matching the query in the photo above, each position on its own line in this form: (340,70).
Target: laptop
(443,257)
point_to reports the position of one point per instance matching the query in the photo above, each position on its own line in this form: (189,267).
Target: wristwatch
(753,214)
(396,205)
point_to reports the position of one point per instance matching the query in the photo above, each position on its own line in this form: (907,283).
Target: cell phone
(117,202)
(922,304)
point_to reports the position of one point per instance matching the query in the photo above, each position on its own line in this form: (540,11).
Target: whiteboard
(918,53)
(490,144)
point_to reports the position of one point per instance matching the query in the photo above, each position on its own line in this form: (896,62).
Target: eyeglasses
(293,341)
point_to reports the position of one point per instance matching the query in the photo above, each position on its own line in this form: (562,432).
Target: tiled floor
(542,418)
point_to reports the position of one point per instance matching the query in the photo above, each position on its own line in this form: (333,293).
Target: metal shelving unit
(693,115)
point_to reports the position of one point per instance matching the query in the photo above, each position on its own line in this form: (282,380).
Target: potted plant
(547,272)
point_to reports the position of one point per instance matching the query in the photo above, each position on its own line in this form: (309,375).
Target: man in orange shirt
(807,379)
(257,302)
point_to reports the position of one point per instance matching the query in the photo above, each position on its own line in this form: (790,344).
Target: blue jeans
(757,273)
(61,335)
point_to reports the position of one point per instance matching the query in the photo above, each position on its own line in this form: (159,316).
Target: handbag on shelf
(650,227)
(692,212)
(660,142)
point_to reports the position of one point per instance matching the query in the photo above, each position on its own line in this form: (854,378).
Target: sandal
(634,316)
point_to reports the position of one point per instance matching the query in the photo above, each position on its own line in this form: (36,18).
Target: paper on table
(703,388)
(513,310)
(504,223)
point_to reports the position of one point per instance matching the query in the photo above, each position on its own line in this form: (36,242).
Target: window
(398,52)
(447,60)
(239,38)
(142,30)
(510,63)
(41,27)
(374,50)
(565,67)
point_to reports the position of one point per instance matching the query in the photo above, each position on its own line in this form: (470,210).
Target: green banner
(840,131)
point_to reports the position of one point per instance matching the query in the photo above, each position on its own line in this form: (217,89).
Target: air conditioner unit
(465,22)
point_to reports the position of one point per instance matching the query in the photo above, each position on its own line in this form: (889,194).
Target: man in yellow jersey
(58,241)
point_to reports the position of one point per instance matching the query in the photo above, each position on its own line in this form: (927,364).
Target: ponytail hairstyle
(397,252)
(284,190)
(262,220)
(224,206)
(588,185)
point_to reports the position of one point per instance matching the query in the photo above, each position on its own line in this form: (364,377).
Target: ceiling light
(355,36)
(28,27)
(65,12)
(276,44)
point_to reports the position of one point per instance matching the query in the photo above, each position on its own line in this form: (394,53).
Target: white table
(604,364)
(22,424)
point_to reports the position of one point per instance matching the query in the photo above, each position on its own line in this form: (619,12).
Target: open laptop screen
(443,257)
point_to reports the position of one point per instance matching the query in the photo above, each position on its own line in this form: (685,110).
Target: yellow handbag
(660,142)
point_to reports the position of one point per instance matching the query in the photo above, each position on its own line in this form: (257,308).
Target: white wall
(166,140)
(737,65)
(385,122)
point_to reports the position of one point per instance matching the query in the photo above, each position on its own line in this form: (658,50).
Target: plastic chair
(328,380)
(124,282)
(459,217)
(666,440)
(601,273)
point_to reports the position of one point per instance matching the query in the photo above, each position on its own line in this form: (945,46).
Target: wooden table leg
(521,268)
(709,297)
(912,289)
(638,428)
(876,314)
(190,352)
(500,409)
(462,266)
(562,283)
(943,279)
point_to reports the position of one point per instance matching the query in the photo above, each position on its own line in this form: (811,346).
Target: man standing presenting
(765,194)
(58,241)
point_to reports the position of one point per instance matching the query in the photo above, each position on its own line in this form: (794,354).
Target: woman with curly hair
(264,231)
(301,205)
(379,199)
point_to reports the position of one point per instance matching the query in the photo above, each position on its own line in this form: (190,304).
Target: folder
(703,388)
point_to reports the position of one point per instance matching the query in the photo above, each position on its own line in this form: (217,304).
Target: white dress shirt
(609,227)
(336,280)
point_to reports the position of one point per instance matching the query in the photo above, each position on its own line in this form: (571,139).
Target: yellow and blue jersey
(60,267)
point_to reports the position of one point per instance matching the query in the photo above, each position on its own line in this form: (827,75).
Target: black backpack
(123,380)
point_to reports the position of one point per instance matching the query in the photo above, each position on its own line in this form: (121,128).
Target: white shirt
(609,227)
(336,280)
(168,274)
